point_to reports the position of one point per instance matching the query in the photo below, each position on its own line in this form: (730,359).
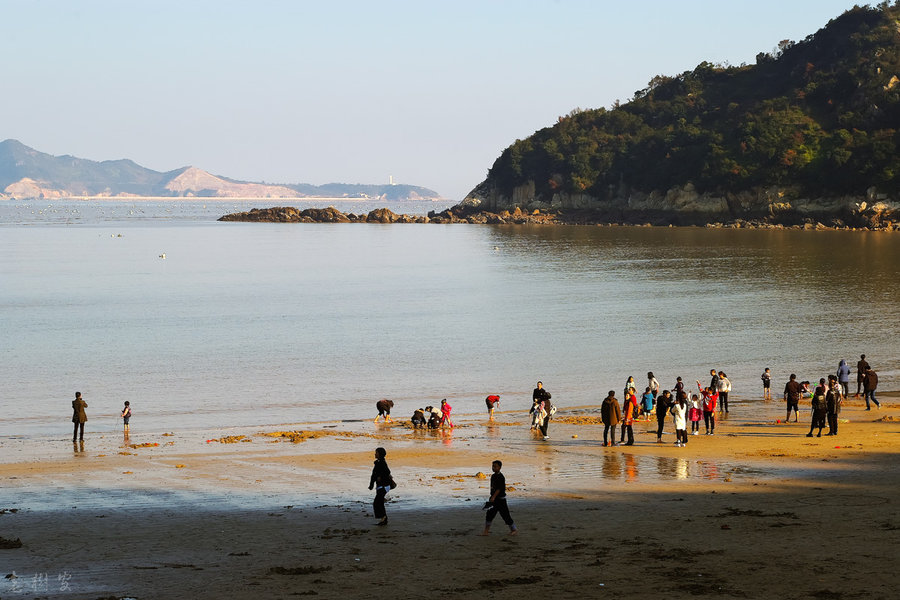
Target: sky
(428,92)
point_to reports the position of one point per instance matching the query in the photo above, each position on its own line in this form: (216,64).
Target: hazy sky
(337,91)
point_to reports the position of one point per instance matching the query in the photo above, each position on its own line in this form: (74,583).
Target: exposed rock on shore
(695,210)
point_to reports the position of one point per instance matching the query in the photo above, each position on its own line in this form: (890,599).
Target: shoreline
(744,513)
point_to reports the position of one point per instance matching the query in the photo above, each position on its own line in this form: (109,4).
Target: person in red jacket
(710,399)
(629,412)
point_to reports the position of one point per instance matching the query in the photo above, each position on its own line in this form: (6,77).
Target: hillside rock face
(194,181)
(685,206)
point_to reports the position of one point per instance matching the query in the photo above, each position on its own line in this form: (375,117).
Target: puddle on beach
(648,469)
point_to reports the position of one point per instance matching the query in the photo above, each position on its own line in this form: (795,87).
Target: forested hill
(818,117)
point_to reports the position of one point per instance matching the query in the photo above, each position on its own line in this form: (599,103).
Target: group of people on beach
(702,405)
(79,417)
(826,399)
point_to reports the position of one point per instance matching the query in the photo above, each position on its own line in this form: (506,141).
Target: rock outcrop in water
(696,210)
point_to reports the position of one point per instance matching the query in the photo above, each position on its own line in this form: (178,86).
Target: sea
(206,324)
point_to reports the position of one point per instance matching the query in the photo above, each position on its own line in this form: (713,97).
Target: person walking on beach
(445,413)
(491,401)
(870,383)
(679,387)
(384,407)
(497,501)
(629,411)
(833,405)
(126,415)
(79,417)
(861,366)
(767,384)
(724,387)
(819,408)
(630,384)
(792,390)
(542,396)
(710,399)
(663,404)
(610,415)
(382,481)
(714,380)
(843,377)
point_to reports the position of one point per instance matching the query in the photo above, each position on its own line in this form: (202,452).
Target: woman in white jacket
(679,411)
(724,386)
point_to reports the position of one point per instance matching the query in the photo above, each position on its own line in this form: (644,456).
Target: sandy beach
(756,511)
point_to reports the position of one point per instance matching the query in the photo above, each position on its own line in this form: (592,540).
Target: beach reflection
(612,465)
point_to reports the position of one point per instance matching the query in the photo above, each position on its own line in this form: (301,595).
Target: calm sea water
(256,324)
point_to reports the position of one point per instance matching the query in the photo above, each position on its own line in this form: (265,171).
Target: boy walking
(497,502)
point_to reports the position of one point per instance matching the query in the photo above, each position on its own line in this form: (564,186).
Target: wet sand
(756,511)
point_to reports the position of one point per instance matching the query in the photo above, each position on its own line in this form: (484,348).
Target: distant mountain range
(26,173)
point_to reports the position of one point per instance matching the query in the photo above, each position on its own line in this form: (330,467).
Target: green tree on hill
(820,116)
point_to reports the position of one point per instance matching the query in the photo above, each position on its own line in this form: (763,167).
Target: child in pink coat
(445,413)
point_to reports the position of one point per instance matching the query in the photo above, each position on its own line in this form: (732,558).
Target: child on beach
(767,384)
(679,412)
(647,403)
(382,481)
(497,501)
(445,413)
(710,399)
(126,415)
(695,413)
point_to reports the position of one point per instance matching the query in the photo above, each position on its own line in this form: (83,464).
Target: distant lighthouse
(391,179)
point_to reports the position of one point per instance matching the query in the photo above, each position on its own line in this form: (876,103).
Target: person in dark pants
(541,395)
(629,412)
(833,404)
(79,417)
(870,384)
(819,408)
(382,481)
(663,404)
(497,501)
(610,414)
(861,366)
(792,397)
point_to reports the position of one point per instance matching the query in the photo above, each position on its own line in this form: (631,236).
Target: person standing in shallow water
(381,480)
(542,396)
(497,501)
(767,384)
(79,417)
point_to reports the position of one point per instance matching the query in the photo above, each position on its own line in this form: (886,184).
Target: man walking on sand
(870,383)
(497,501)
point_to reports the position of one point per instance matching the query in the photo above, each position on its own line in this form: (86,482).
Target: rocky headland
(765,209)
